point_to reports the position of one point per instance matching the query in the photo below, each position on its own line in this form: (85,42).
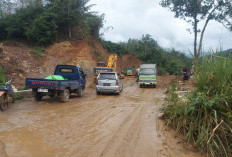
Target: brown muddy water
(92,126)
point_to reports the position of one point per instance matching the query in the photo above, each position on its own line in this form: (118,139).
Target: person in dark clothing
(186,74)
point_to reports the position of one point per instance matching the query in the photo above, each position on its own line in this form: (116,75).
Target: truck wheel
(80,92)
(65,95)
(2,103)
(98,93)
(13,98)
(38,97)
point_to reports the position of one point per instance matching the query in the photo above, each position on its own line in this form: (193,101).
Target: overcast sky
(133,18)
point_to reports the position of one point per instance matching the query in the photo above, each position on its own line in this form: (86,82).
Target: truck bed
(51,84)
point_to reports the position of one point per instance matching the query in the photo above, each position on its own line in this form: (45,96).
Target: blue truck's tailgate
(44,83)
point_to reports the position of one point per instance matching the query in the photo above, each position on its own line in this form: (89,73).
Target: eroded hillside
(20,61)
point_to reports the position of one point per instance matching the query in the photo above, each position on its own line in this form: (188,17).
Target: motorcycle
(6,92)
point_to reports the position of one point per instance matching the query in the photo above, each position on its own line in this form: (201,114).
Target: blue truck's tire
(80,92)
(38,96)
(65,95)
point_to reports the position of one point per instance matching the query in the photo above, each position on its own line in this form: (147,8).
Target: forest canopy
(43,22)
(149,51)
(46,21)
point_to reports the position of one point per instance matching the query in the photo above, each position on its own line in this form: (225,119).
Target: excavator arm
(112,62)
(111,66)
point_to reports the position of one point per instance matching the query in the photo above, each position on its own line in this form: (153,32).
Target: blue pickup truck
(73,82)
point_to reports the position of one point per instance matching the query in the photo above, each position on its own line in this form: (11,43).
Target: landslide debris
(21,62)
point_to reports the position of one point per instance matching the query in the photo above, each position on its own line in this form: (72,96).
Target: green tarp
(55,77)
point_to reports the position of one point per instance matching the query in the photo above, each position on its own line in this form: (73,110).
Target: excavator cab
(101,64)
(111,66)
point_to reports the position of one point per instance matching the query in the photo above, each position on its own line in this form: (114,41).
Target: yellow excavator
(111,66)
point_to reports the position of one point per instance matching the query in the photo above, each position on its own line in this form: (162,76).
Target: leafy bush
(43,29)
(44,24)
(204,115)
(98,54)
(38,51)
(23,88)
(18,96)
(118,48)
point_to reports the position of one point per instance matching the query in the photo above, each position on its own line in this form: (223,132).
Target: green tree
(44,21)
(43,30)
(194,11)
(17,24)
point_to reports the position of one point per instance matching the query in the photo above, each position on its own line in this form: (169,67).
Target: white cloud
(133,18)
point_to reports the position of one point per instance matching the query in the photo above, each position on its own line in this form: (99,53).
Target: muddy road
(92,126)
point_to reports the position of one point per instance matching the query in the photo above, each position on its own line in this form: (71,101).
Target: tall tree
(72,13)
(194,11)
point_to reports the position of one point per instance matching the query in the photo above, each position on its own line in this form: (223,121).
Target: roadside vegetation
(2,75)
(205,115)
(43,22)
(98,54)
(148,50)
(18,96)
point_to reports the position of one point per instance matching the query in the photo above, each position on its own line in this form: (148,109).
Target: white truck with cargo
(147,75)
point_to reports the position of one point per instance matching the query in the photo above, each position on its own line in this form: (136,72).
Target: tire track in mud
(104,114)
(2,150)
(121,139)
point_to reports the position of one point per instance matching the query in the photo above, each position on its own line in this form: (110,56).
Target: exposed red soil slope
(20,61)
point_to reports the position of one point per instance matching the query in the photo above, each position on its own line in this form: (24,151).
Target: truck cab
(128,71)
(70,72)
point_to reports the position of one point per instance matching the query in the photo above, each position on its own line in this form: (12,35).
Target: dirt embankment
(21,62)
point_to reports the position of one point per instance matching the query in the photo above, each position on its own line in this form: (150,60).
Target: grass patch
(98,54)
(22,88)
(38,51)
(18,96)
(205,115)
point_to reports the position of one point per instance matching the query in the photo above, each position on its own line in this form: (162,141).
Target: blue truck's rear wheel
(80,92)
(65,95)
(38,96)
